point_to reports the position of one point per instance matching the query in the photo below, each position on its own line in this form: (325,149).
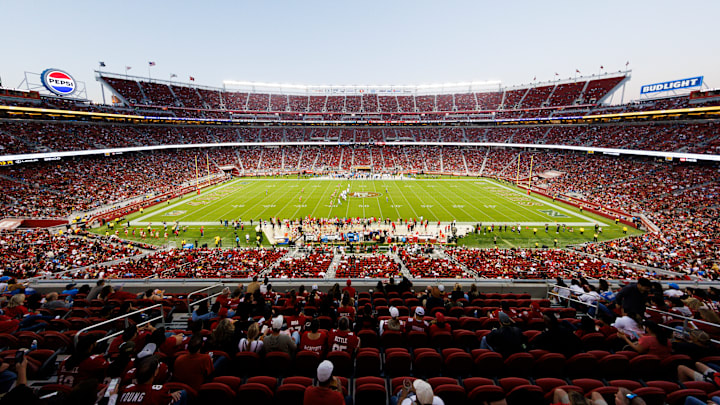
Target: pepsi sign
(673,85)
(58,82)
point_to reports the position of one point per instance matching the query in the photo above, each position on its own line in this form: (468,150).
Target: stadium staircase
(510,138)
(519,104)
(332,269)
(342,155)
(482,168)
(403,269)
(510,164)
(467,172)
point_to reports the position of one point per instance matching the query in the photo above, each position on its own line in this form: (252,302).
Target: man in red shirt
(342,339)
(145,393)
(349,289)
(329,390)
(417,322)
(314,340)
(194,368)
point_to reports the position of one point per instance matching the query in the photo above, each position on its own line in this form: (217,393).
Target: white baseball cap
(324,371)
(423,392)
(394,312)
(277,323)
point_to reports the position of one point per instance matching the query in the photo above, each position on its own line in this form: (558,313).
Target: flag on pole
(534,78)
(192,79)
(627,63)
(173,75)
(128,67)
(151,63)
(102,64)
(577,71)
(557,74)
(602,67)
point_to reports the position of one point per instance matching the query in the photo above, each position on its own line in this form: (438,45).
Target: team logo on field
(175,213)
(364,194)
(58,82)
(553,214)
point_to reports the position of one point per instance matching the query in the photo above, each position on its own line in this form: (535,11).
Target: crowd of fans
(28,137)
(159,94)
(30,253)
(428,344)
(56,189)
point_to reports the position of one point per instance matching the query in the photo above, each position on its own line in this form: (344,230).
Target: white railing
(569,298)
(209,297)
(161,317)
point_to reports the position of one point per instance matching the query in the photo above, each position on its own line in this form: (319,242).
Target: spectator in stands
(314,340)
(194,368)
(366,319)
(21,393)
(70,289)
(15,307)
(145,392)
(349,289)
(654,341)
(95,291)
(419,392)
(434,300)
(342,339)
(253,286)
(276,341)
(254,340)
(52,302)
(702,372)
(223,337)
(557,338)
(633,297)
(7,377)
(439,325)
(507,339)
(347,309)
(457,293)
(417,322)
(82,364)
(696,344)
(329,388)
(394,323)
(473,293)
(622,397)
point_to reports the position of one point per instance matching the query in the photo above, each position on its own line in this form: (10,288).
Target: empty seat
(427,364)
(367,363)
(306,363)
(549,365)
(451,394)
(489,364)
(254,393)
(342,362)
(215,393)
(397,362)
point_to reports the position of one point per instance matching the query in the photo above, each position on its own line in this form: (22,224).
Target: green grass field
(466,200)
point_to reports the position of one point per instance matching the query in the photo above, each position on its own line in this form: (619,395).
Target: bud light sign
(58,82)
(673,85)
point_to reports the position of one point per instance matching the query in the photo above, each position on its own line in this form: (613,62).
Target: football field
(463,200)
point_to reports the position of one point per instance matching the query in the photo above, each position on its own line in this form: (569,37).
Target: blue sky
(363,42)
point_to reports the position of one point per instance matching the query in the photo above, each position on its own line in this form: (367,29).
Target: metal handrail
(189,304)
(685,318)
(126,316)
(576,300)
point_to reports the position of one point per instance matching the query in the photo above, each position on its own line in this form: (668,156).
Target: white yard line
(139,221)
(549,204)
